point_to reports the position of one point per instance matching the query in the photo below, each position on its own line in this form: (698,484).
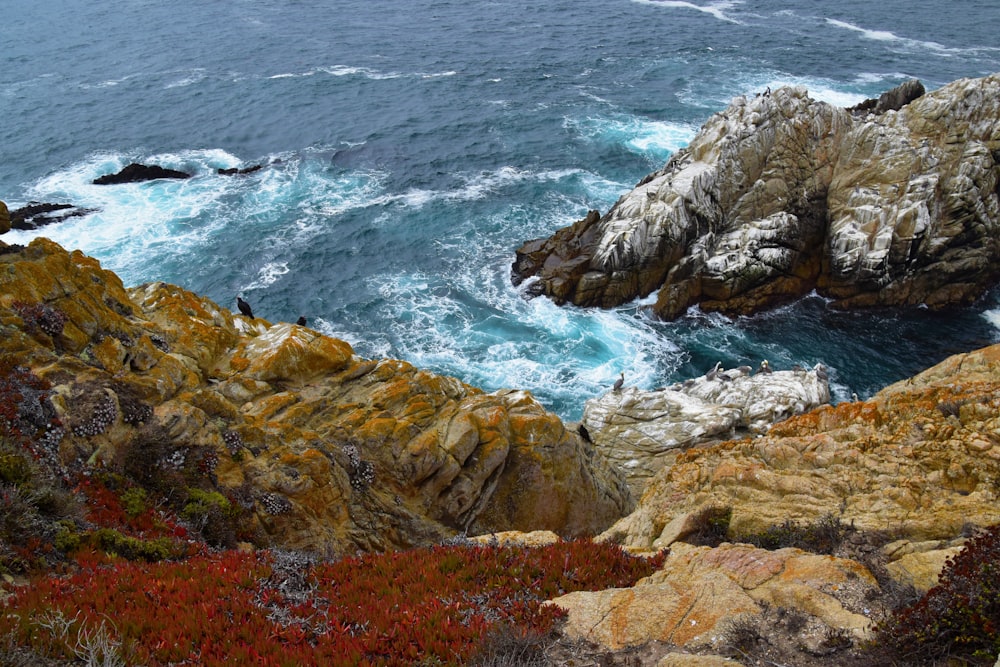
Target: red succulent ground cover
(433,604)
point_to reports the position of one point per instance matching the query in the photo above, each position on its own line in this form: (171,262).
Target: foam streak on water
(408,148)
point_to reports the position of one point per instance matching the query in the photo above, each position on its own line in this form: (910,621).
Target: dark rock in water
(890,100)
(136,173)
(233,171)
(37,214)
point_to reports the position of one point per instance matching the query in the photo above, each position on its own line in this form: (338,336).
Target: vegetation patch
(957,620)
(428,606)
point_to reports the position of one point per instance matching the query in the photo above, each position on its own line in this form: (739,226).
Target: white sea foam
(268,274)
(192,77)
(716,9)
(993,317)
(887,36)
(658,139)
(137,227)
(366,72)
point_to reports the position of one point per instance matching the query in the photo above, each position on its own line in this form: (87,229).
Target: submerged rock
(635,429)
(38,214)
(780,195)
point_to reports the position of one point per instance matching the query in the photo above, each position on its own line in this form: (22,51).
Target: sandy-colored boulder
(536,538)
(921,569)
(700,589)
(4,218)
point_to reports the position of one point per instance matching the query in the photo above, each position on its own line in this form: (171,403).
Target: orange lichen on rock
(329,451)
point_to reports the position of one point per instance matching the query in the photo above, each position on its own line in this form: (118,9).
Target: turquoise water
(411,147)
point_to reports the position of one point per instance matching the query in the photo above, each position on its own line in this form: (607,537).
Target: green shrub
(131,548)
(822,537)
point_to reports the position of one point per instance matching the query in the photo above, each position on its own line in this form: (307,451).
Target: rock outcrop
(137,173)
(636,430)
(700,590)
(329,451)
(38,214)
(919,460)
(780,195)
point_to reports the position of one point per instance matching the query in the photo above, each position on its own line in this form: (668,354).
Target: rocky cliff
(920,460)
(789,547)
(891,203)
(324,450)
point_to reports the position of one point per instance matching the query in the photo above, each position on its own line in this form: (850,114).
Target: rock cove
(891,203)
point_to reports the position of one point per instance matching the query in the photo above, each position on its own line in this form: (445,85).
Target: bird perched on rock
(765,367)
(301,321)
(711,375)
(821,372)
(745,370)
(244,307)
(619,382)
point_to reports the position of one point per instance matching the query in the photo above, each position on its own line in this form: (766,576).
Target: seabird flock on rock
(248,312)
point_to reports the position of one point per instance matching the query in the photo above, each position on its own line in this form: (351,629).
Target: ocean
(408,147)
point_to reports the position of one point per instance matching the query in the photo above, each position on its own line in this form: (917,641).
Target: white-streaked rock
(635,428)
(780,195)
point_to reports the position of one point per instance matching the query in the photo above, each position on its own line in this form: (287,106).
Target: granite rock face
(919,460)
(780,195)
(330,451)
(637,429)
(689,601)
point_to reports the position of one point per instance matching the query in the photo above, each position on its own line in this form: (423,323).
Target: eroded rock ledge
(780,195)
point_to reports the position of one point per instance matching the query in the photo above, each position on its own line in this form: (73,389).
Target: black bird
(619,382)
(301,321)
(244,307)
(584,433)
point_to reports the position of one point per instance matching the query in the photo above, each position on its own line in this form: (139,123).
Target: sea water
(408,147)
